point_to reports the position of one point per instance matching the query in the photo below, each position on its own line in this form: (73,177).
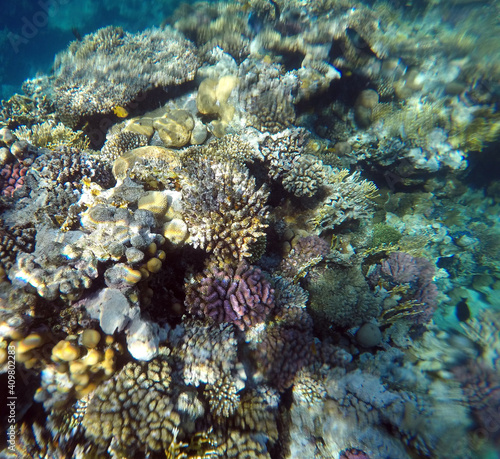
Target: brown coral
(224,211)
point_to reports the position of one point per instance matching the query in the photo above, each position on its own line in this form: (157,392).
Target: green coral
(385,234)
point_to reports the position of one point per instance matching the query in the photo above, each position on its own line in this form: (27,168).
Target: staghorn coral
(223,210)
(241,296)
(111,67)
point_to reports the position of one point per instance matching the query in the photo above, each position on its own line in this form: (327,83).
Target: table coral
(111,67)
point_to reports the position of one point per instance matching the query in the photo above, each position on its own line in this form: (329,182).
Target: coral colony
(244,235)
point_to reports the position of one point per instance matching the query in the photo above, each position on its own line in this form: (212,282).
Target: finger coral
(135,410)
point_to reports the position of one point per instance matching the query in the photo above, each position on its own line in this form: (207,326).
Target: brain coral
(242,296)
(223,210)
(111,67)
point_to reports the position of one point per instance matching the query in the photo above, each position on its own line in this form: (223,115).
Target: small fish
(359,42)
(462,311)
(76,33)
(120,112)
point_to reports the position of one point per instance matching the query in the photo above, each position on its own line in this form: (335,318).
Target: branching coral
(348,198)
(242,296)
(52,135)
(136,410)
(224,211)
(266,95)
(410,286)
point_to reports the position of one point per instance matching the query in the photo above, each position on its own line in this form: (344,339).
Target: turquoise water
(250,229)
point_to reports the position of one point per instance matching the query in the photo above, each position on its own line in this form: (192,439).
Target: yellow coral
(52,135)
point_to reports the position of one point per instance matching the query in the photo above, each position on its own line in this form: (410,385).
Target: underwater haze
(250,229)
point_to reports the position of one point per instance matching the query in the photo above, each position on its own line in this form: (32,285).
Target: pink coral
(242,296)
(401,267)
(12,177)
(353,453)
(417,274)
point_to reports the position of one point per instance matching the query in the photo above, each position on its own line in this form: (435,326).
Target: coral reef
(409,287)
(122,410)
(281,248)
(266,95)
(348,199)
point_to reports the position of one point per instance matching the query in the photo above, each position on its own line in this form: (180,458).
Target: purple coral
(481,386)
(286,348)
(401,267)
(308,252)
(417,274)
(353,453)
(242,296)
